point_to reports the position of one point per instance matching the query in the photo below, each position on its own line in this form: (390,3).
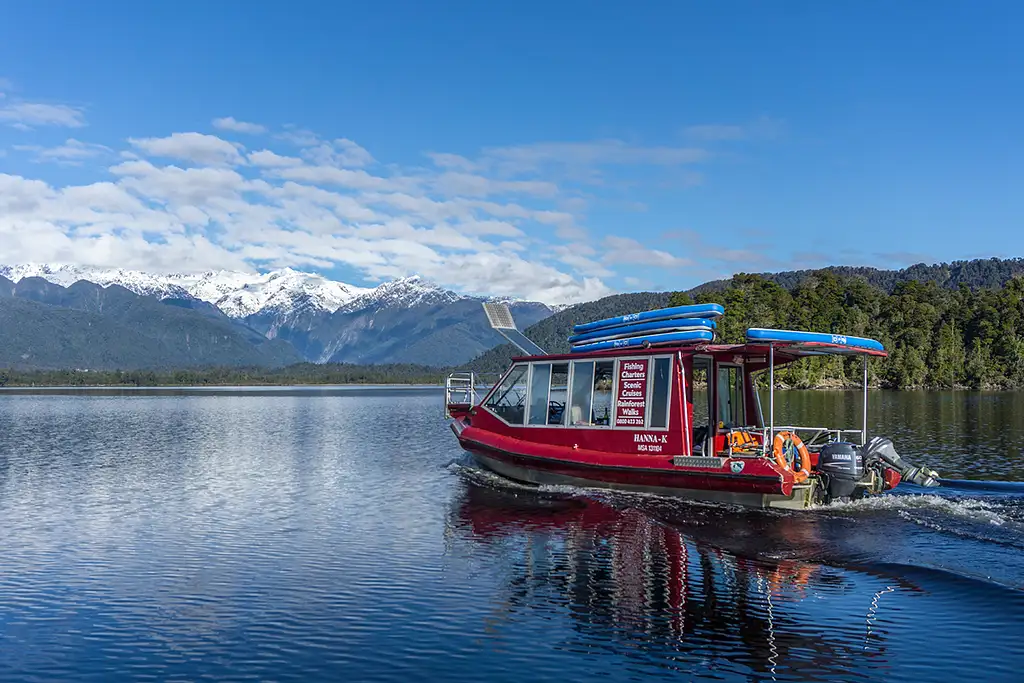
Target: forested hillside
(935,336)
(968,336)
(979,273)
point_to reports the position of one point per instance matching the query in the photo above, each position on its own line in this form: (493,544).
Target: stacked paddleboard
(675,325)
(758,334)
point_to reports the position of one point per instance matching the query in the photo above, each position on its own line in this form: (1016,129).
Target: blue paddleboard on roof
(765,335)
(693,311)
(667,338)
(620,331)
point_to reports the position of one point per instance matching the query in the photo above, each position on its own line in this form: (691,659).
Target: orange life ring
(779,448)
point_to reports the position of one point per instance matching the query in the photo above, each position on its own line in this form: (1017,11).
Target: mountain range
(60,316)
(54,315)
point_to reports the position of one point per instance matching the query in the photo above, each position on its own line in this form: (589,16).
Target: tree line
(959,337)
(937,335)
(302,373)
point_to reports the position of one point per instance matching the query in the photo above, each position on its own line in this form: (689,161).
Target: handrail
(768,435)
(459,389)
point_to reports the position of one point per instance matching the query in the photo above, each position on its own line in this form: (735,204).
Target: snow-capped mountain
(405,320)
(240,295)
(237,294)
(65,275)
(402,293)
(282,290)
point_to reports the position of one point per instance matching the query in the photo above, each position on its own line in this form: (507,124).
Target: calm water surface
(340,534)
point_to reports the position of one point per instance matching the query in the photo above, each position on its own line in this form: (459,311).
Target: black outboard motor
(881,449)
(842,464)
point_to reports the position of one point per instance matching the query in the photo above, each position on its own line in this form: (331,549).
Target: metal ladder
(459,389)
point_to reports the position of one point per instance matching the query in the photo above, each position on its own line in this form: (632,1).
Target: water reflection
(648,589)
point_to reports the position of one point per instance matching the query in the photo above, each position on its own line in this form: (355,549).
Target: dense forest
(303,373)
(958,325)
(975,274)
(936,336)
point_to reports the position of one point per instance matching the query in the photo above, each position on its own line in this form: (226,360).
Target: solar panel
(499,316)
(501,320)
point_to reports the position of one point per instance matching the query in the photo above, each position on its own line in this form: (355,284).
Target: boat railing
(768,437)
(459,389)
(830,433)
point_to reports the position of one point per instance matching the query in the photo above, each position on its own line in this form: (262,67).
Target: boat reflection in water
(654,589)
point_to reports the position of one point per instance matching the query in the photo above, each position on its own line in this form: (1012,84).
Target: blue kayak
(694,311)
(620,331)
(764,335)
(652,339)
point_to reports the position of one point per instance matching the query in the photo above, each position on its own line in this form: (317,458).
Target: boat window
(508,400)
(559,394)
(604,380)
(582,388)
(730,396)
(540,382)
(659,392)
(702,402)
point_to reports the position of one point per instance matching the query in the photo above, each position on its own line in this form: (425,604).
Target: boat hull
(545,471)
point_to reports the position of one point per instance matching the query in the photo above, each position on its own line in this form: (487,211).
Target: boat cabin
(695,400)
(646,401)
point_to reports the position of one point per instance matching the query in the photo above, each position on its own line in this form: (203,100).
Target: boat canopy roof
(755,353)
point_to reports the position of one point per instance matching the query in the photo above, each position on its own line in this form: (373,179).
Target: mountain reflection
(649,588)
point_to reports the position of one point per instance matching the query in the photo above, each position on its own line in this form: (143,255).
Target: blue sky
(559,151)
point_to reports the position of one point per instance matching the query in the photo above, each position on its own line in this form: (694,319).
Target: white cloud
(71,153)
(268,159)
(584,157)
(453,161)
(182,185)
(626,250)
(576,256)
(350,154)
(26,115)
(763,127)
(343,177)
(197,148)
(469,185)
(299,137)
(232,124)
(510,222)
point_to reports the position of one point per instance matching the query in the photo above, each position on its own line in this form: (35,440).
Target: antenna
(501,320)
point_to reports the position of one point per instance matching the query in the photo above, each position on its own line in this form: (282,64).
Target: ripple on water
(341,535)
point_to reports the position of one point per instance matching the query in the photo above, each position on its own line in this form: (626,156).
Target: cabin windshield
(623,393)
(508,400)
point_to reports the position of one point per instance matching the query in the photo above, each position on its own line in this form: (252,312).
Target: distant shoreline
(15,387)
(225,385)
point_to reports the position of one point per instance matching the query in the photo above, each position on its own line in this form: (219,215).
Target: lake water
(340,534)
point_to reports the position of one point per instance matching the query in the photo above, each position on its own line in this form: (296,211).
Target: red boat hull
(542,464)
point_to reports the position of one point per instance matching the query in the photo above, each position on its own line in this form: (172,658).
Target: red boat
(628,417)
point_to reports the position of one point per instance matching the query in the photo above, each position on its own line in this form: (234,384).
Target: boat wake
(972,531)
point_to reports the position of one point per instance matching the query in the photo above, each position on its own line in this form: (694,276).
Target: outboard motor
(842,464)
(881,449)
